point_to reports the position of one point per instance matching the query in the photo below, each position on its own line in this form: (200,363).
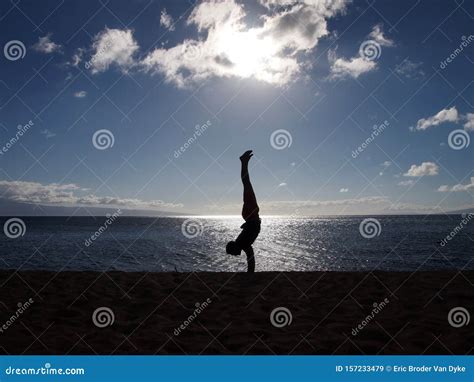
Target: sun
(249,54)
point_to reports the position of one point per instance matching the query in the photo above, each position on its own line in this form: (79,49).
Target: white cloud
(113,47)
(354,67)
(77,57)
(282,185)
(67,194)
(469,125)
(457,187)
(48,133)
(424,169)
(445,115)
(406,183)
(386,164)
(80,94)
(357,65)
(378,36)
(166,20)
(344,190)
(410,69)
(45,45)
(229,48)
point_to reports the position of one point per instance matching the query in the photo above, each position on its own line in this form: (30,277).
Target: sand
(151,313)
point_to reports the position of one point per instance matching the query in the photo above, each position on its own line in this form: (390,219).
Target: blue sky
(348,105)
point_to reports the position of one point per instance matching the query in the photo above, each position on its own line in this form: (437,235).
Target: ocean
(185,244)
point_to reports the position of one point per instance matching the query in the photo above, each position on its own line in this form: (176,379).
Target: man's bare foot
(245,157)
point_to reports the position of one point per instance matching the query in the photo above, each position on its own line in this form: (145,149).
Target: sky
(351,107)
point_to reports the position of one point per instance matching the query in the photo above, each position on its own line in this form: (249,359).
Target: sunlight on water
(284,244)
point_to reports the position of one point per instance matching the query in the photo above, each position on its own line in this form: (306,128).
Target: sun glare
(249,54)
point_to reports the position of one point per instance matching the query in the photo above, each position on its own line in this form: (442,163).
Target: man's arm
(250,259)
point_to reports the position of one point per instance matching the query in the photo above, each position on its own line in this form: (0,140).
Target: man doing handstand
(251,227)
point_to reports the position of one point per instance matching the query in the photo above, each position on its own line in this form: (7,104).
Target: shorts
(250,231)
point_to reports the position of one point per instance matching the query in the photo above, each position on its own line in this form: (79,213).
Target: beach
(43,312)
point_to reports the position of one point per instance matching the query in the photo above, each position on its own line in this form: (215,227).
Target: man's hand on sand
(246,156)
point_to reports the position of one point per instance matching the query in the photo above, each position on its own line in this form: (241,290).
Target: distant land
(10,208)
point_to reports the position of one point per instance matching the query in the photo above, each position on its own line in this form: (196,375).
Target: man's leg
(250,208)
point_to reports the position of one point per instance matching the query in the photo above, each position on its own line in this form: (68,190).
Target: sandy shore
(225,313)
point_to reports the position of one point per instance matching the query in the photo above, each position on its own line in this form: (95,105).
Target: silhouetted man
(251,227)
